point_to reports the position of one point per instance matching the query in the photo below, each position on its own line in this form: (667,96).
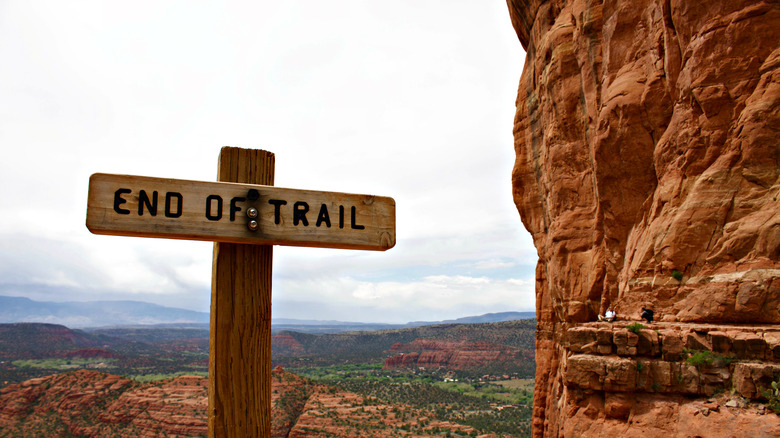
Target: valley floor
(94,404)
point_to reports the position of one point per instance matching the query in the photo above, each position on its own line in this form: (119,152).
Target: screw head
(251,212)
(253,225)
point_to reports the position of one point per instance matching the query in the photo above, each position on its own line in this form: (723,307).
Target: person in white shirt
(609,316)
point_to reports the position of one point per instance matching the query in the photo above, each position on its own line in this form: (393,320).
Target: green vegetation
(677,275)
(484,403)
(494,399)
(335,372)
(147,378)
(63,364)
(508,391)
(371,347)
(702,358)
(29,351)
(773,397)
(635,327)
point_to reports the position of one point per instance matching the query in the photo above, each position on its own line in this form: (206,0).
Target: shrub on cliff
(635,327)
(773,397)
(706,358)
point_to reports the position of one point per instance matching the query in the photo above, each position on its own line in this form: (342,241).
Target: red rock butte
(647,139)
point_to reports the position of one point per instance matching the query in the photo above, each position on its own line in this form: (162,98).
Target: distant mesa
(452,355)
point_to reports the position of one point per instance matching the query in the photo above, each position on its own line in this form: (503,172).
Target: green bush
(700,358)
(635,327)
(773,397)
(706,358)
(677,275)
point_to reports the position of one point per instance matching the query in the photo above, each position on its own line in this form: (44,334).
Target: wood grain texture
(130,205)
(240,334)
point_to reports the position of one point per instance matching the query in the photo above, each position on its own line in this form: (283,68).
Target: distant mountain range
(94,313)
(488,317)
(322,327)
(131,313)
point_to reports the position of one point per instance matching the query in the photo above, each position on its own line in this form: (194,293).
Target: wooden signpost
(238,213)
(244,215)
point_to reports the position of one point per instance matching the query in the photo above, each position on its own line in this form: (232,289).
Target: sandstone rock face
(454,355)
(89,403)
(286,343)
(647,139)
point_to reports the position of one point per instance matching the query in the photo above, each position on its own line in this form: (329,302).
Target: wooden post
(240,333)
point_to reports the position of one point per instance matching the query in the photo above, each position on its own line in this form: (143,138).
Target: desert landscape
(462,380)
(646,148)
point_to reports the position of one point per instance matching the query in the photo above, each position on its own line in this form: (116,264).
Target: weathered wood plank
(129,205)
(240,333)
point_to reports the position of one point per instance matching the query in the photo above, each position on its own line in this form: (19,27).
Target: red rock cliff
(647,138)
(453,355)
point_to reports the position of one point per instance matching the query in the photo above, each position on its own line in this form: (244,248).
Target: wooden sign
(239,213)
(244,214)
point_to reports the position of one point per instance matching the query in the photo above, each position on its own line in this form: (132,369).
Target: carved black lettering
(209,214)
(179,202)
(341,216)
(354,224)
(300,209)
(277,203)
(323,217)
(234,208)
(118,200)
(151,205)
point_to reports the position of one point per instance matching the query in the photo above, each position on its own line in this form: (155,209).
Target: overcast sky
(412,99)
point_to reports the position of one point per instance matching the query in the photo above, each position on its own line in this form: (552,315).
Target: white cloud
(430,298)
(391,99)
(494,264)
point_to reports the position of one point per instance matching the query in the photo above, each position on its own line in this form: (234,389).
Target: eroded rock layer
(88,403)
(453,355)
(647,136)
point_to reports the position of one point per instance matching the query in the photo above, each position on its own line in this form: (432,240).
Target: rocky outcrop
(284,343)
(685,359)
(646,137)
(451,355)
(92,404)
(322,411)
(673,380)
(26,340)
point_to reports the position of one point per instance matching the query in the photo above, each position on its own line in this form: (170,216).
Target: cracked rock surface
(647,139)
